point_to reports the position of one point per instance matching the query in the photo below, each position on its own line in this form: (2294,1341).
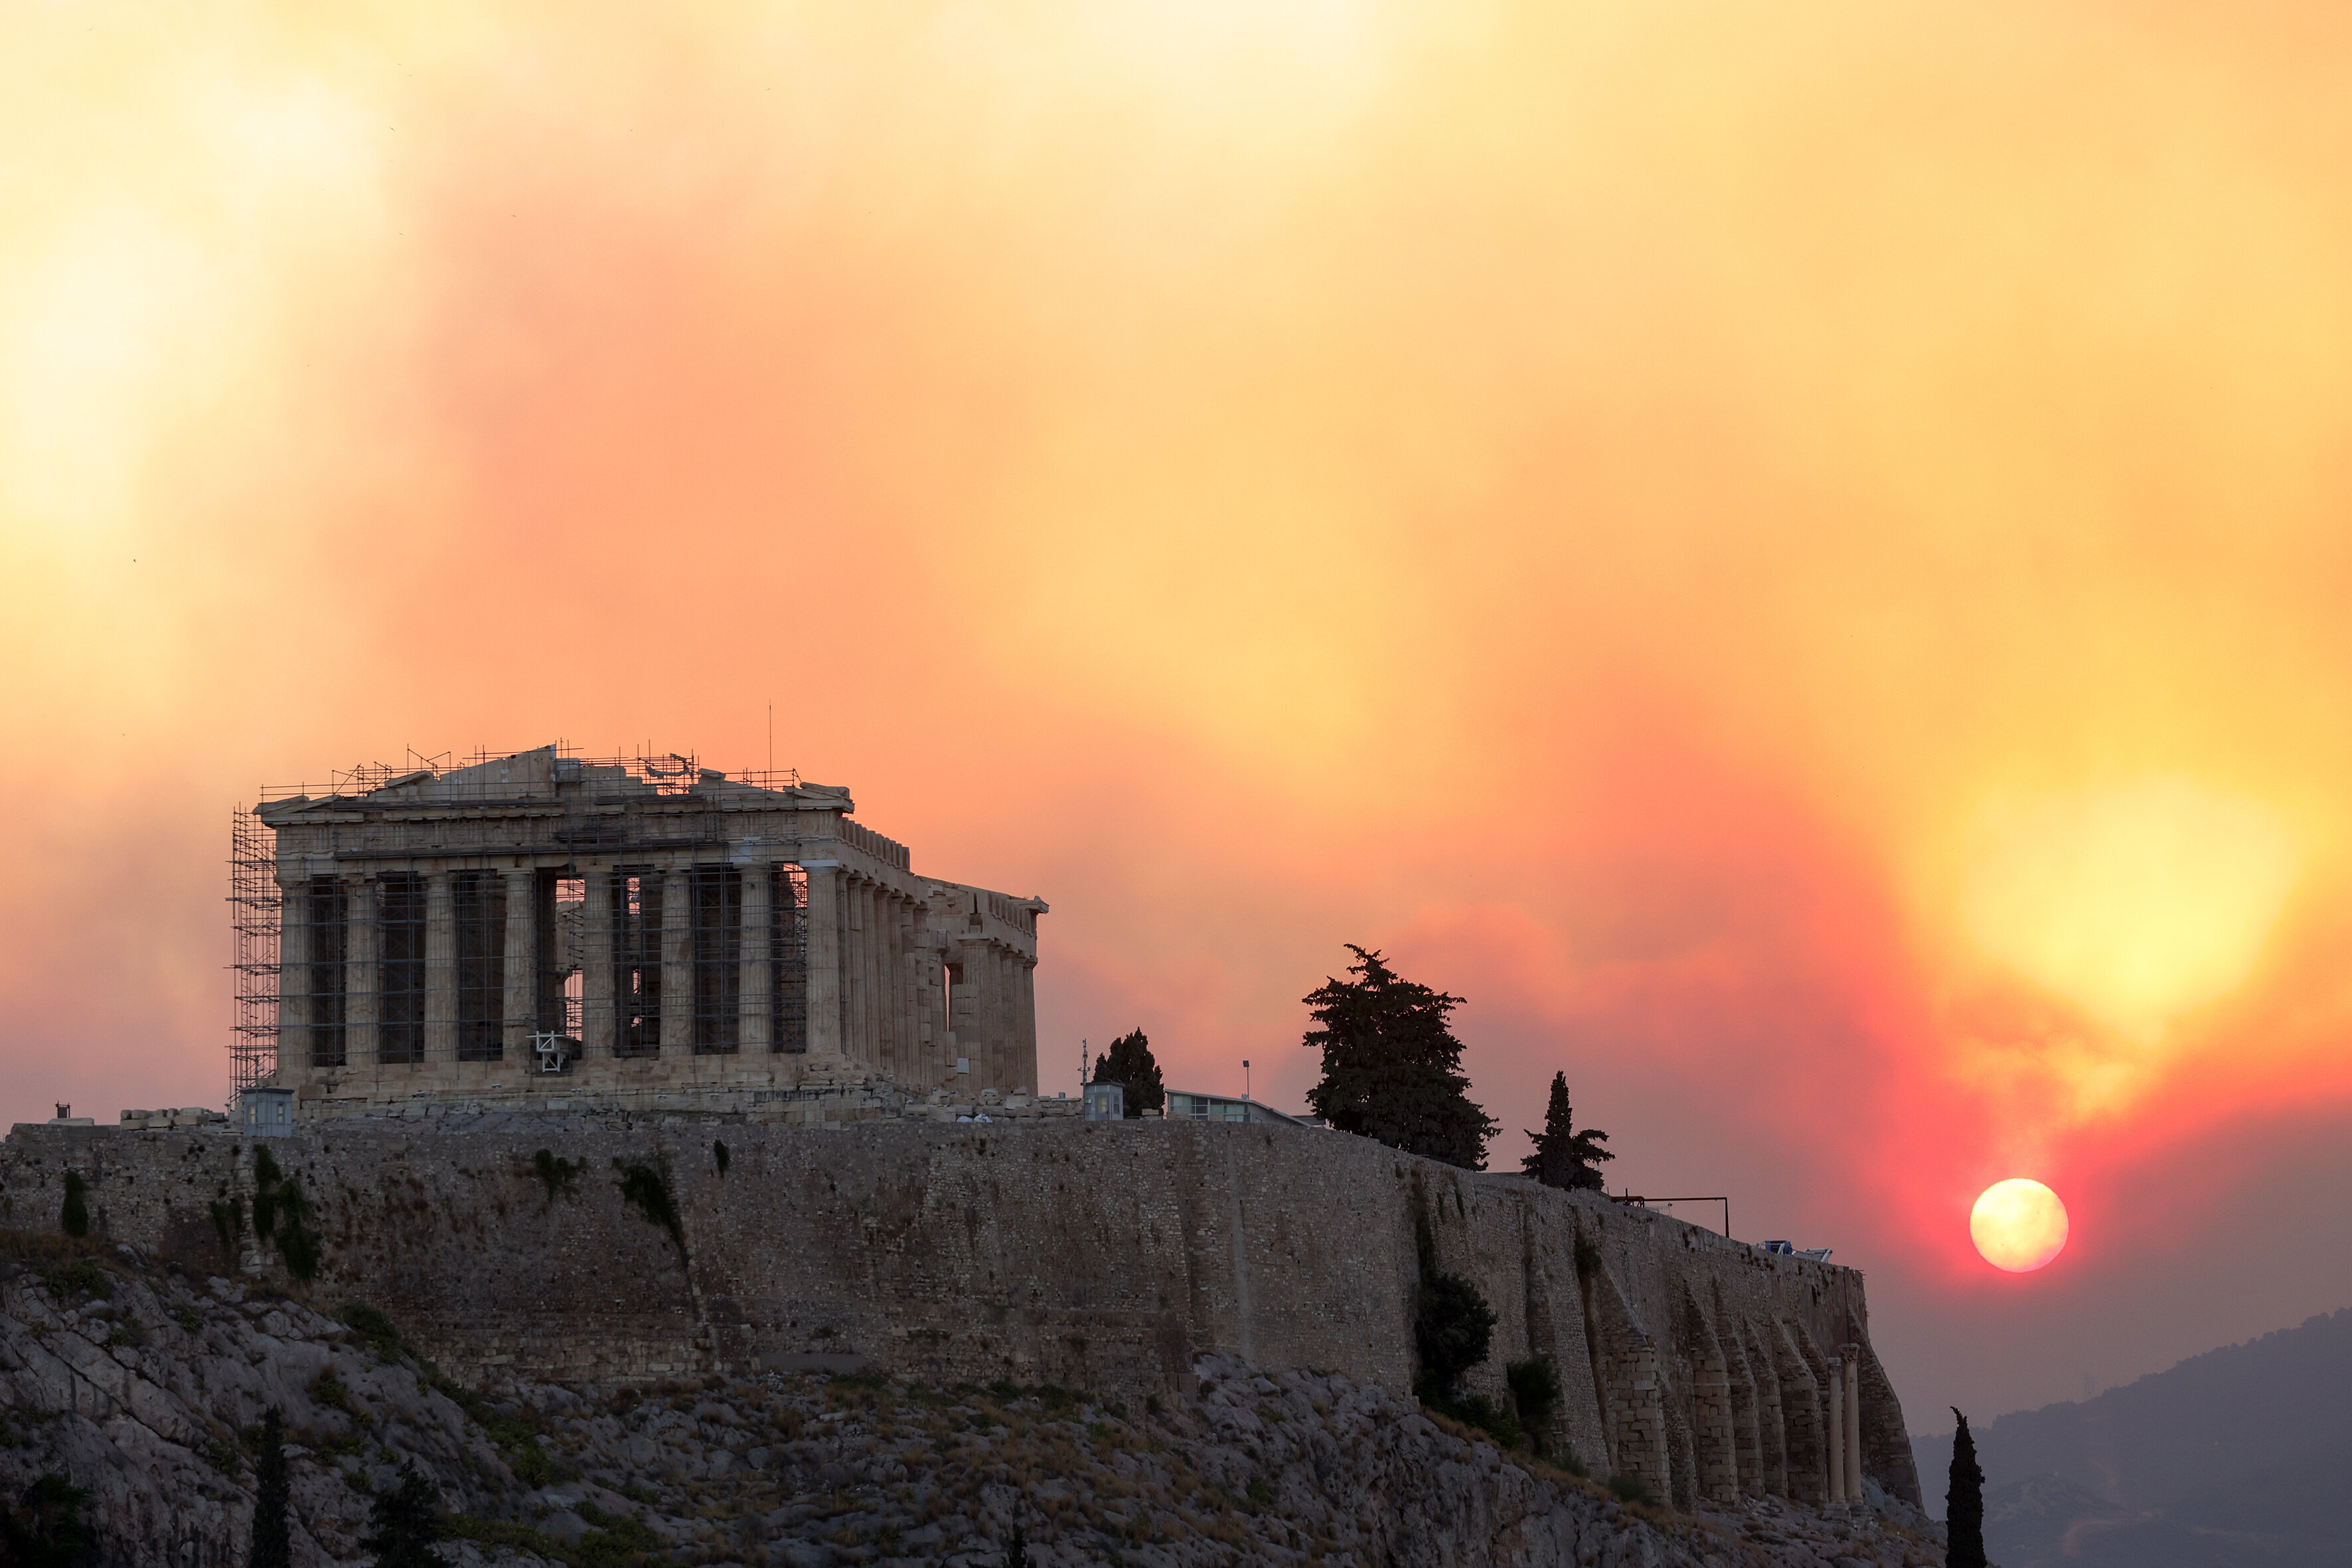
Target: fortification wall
(1102,1254)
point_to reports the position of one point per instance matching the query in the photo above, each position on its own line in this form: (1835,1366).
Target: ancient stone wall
(1103,1255)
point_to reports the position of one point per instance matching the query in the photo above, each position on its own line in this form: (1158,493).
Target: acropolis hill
(621,1075)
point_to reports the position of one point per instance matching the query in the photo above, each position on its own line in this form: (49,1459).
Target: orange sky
(1792,555)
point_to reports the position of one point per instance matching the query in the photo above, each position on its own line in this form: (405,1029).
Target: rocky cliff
(1105,1256)
(143,1386)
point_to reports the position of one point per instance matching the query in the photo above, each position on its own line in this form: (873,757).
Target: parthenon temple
(627,932)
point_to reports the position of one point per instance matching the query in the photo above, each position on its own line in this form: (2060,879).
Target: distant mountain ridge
(2240,1457)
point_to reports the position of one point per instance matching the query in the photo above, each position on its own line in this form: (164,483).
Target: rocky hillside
(144,1388)
(2235,1457)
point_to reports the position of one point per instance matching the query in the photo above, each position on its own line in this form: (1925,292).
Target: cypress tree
(1392,1067)
(272,1547)
(1964,1503)
(1564,1157)
(407,1520)
(1129,1063)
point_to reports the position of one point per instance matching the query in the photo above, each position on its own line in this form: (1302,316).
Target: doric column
(1835,1427)
(293,979)
(677,964)
(360,982)
(825,1001)
(1852,1423)
(1024,1044)
(899,993)
(521,963)
(599,1021)
(440,968)
(853,969)
(756,985)
(871,967)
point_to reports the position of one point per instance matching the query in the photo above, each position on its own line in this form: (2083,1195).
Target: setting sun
(2019,1225)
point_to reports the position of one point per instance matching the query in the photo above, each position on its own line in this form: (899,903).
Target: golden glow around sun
(2137,901)
(2019,1225)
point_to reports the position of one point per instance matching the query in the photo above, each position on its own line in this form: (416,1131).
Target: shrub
(1535,1392)
(327,1390)
(1451,1325)
(129,1334)
(646,1189)
(718,1154)
(556,1174)
(46,1528)
(374,1329)
(1631,1490)
(75,1217)
(228,1222)
(80,1280)
(281,1216)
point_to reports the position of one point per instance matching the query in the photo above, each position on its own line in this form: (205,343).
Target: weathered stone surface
(776,1470)
(1109,1257)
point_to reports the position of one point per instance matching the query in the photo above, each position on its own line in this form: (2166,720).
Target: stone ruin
(543,931)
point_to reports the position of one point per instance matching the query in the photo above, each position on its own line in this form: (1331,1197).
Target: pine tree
(1391,1068)
(1964,1503)
(1564,1158)
(272,1547)
(1130,1062)
(407,1521)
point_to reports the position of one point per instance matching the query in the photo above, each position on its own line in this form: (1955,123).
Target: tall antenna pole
(772,739)
(1245,1088)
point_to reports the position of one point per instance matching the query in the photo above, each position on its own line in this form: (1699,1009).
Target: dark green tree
(1964,1503)
(46,1528)
(272,1545)
(1563,1157)
(407,1521)
(1392,1067)
(75,1216)
(1016,1550)
(1130,1062)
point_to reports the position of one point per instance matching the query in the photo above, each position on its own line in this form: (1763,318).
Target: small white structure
(1185,1106)
(1106,1102)
(265,1113)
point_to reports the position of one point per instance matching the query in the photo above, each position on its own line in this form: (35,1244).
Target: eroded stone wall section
(1104,1255)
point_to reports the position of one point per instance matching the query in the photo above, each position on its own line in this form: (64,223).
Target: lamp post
(1246,1087)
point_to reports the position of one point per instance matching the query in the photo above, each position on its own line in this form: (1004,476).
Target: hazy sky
(1794,555)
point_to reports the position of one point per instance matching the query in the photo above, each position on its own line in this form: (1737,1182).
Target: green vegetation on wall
(646,1188)
(281,1216)
(75,1215)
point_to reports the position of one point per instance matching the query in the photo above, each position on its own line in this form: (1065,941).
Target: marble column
(293,979)
(1025,1048)
(360,982)
(677,964)
(853,968)
(520,1015)
(825,1001)
(872,1033)
(755,984)
(1851,1423)
(599,1019)
(440,968)
(1835,1428)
